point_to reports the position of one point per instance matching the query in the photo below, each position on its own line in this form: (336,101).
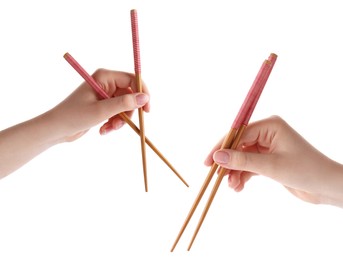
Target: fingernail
(221,157)
(142,99)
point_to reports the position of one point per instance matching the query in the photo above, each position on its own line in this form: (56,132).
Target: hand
(83,109)
(270,147)
(70,119)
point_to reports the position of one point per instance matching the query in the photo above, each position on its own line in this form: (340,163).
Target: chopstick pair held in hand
(88,78)
(230,142)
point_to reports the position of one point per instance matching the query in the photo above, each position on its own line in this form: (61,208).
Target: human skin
(272,148)
(72,118)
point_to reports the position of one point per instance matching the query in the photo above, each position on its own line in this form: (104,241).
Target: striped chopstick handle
(135,41)
(84,74)
(262,82)
(255,91)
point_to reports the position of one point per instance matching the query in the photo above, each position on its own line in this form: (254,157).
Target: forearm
(21,143)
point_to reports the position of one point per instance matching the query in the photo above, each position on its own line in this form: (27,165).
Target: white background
(86,200)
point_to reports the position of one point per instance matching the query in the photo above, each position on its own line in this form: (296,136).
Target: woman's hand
(83,109)
(72,118)
(271,148)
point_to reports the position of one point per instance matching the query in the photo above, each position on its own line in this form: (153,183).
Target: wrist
(60,128)
(48,128)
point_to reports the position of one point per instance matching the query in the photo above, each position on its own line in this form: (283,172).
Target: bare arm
(70,119)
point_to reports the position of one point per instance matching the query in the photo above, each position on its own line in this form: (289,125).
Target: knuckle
(275,117)
(100,74)
(277,120)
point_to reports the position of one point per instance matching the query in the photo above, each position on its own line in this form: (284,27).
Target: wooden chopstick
(152,146)
(231,141)
(89,79)
(137,62)
(261,81)
(227,142)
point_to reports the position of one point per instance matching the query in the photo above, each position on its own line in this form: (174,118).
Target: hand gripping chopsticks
(230,142)
(88,78)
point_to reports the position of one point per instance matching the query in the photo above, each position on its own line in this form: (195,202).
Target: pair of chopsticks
(230,142)
(88,78)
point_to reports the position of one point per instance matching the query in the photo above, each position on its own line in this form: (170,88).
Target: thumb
(243,161)
(124,103)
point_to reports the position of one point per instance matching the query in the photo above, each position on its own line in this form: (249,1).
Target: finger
(209,159)
(122,91)
(243,161)
(244,178)
(249,138)
(113,106)
(261,132)
(106,128)
(234,179)
(111,81)
(111,125)
(256,137)
(134,88)
(114,123)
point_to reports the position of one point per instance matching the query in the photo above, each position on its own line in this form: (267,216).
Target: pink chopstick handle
(135,41)
(263,80)
(84,74)
(249,98)
(254,93)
